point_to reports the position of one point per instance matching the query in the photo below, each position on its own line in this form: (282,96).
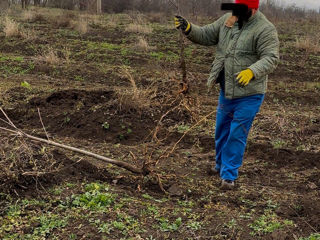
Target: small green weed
(182,128)
(278,143)
(26,85)
(78,78)
(105,125)
(268,223)
(314,236)
(166,226)
(95,197)
(194,225)
(49,223)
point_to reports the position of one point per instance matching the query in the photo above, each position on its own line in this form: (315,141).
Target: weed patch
(95,197)
(268,223)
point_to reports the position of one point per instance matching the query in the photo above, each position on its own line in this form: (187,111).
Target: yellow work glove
(245,77)
(182,24)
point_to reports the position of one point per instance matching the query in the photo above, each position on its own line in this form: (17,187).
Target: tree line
(187,7)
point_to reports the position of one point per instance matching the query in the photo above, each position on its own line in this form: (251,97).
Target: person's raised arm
(207,35)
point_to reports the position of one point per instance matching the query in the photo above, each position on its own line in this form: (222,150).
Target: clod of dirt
(175,190)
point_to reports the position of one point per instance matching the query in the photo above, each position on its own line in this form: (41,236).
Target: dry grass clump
(308,43)
(81,25)
(66,53)
(32,16)
(61,19)
(157,17)
(29,34)
(11,28)
(142,44)
(134,98)
(94,19)
(138,28)
(112,21)
(50,56)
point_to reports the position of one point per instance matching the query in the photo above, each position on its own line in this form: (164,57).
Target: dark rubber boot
(227,185)
(213,172)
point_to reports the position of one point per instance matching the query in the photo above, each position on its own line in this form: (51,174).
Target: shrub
(134,98)
(50,56)
(308,43)
(32,16)
(157,17)
(61,20)
(137,28)
(29,34)
(142,44)
(11,28)
(81,26)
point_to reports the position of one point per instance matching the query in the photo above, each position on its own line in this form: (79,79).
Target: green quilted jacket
(255,46)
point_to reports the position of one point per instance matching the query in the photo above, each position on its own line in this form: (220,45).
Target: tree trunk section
(99,8)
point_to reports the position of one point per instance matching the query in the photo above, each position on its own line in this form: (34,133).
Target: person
(247,51)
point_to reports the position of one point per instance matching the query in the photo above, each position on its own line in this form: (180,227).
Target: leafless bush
(11,28)
(137,28)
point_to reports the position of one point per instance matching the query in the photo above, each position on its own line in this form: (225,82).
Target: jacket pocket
(246,58)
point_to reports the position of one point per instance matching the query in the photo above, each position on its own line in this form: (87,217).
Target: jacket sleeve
(207,35)
(268,52)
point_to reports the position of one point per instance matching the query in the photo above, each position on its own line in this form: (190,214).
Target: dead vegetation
(49,56)
(308,43)
(33,16)
(138,28)
(11,28)
(136,98)
(142,44)
(112,20)
(18,158)
(157,17)
(80,25)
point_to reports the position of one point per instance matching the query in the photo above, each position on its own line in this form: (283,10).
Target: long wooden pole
(124,165)
(184,83)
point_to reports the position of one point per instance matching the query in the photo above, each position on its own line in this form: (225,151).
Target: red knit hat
(253,4)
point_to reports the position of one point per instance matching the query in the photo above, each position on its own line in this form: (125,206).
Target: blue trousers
(233,123)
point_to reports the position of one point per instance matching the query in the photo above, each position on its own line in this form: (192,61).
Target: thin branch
(174,4)
(6,116)
(182,137)
(124,165)
(38,174)
(44,129)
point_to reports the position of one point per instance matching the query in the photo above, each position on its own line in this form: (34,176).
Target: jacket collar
(255,16)
(232,20)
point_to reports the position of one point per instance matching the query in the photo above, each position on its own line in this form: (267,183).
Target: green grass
(314,236)
(268,223)
(95,197)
